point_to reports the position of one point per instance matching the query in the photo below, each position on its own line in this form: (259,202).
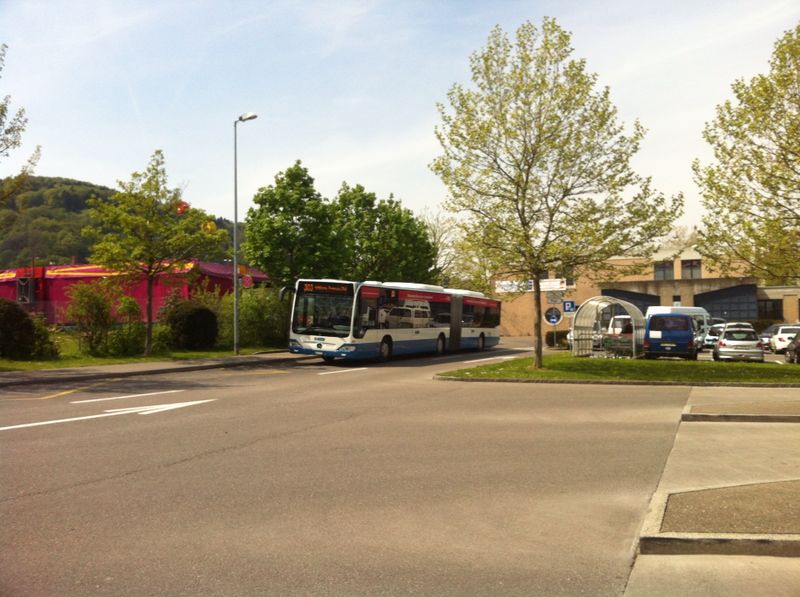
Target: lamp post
(242,118)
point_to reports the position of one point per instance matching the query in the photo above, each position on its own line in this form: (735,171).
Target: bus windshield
(323,309)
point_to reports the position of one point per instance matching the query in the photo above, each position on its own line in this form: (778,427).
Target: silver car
(739,344)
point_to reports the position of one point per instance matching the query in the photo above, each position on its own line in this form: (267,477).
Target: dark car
(791,356)
(670,335)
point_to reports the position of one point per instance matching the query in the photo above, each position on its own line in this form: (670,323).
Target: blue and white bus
(375,320)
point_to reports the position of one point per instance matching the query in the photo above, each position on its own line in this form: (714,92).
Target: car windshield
(789,331)
(741,335)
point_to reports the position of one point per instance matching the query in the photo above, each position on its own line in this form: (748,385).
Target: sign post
(553,315)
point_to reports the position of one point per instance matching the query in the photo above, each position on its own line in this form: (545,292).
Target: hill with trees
(43,219)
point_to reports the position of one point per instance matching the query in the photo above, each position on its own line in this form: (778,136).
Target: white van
(617,324)
(701,317)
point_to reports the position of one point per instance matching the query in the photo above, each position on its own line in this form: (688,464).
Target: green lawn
(71,357)
(559,367)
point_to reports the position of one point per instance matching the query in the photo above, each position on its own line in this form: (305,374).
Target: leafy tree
(752,191)
(380,239)
(535,158)
(289,231)
(442,235)
(147,230)
(11,128)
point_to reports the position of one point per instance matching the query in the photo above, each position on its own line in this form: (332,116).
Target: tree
(289,233)
(752,191)
(11,129)
(442,235)
(147,229)
(380,239)
(535,158)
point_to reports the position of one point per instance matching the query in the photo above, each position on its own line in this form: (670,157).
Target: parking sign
(568,306)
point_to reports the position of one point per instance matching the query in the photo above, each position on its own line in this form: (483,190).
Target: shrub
(128,338)
(17,331)
(44,345)
(91,309)
(561,338)
(263,318)
(192,326)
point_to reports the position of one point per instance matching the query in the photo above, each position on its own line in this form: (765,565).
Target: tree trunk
(148,338)
(537,321)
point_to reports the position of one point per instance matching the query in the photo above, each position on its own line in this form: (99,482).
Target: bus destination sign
(327,288)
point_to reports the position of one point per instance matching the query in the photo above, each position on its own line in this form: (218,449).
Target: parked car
(713,335)
(768,333)
(790,355)
(740,325)
(670,335)
(781,338)
(406,317)
(618,324)
(739,344)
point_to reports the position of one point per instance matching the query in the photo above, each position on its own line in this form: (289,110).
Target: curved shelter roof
(584,326)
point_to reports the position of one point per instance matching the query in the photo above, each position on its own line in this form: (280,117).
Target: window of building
(770,309)
(690,269)
(664,270)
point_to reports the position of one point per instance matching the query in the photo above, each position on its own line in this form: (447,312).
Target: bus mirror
(284,291)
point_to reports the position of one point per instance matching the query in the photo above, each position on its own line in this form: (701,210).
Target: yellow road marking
(64,393)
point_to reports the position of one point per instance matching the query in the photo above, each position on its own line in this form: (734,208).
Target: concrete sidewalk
(725,518)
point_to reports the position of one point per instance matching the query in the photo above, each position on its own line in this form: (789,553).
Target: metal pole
(235,248)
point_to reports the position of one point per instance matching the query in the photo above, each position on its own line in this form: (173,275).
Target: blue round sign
(552,315)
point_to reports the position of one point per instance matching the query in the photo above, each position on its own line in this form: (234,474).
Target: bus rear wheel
(385,350)
(440,345)
(481,343)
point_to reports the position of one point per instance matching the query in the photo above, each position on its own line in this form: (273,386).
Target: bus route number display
(327,288)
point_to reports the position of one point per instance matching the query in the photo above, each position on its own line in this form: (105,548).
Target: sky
(348,87)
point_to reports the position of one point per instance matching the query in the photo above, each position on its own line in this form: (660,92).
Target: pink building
(45,289)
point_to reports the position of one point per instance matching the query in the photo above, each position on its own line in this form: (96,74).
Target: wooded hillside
(44,218)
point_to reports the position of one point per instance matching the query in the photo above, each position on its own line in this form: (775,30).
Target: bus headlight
(348,348)
(294,344)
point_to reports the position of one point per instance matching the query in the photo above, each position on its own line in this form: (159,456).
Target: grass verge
(565,367)
(71,357)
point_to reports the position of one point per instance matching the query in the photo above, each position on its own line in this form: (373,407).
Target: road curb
(606,382)
(729,544)
(737,418)
(652,541)
(78,377)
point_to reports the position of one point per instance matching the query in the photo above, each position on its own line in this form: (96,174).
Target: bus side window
(366,316)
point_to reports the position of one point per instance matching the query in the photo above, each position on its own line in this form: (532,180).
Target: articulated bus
(375,320)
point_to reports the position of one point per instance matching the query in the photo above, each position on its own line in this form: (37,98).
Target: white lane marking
(142,410)
(487,359)
(128,396)
(525,349)
(342,371)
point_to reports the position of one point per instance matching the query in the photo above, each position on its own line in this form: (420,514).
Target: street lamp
(242,118)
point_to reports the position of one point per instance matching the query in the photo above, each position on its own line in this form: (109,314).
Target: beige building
(682,280)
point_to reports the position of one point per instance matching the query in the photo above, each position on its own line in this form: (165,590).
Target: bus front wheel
(385,350)
(440,345)
(481,343)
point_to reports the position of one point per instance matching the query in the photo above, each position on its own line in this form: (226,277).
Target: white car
(781,338)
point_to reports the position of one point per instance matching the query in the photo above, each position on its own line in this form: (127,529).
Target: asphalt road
(310,478)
